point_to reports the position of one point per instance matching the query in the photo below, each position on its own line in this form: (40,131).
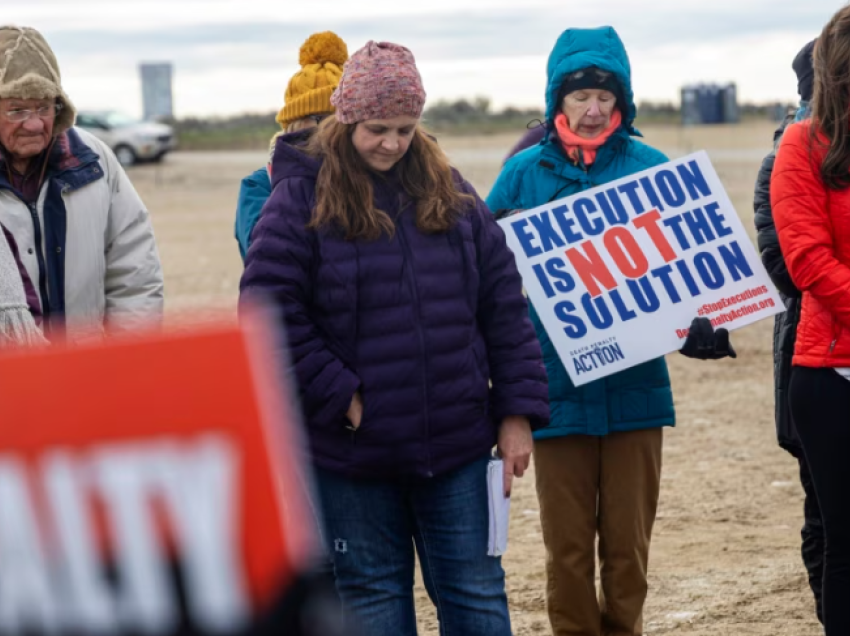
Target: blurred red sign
(148,485)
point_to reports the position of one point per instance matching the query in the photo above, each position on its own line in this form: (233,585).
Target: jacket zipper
(42,267)
(415,290)
(580,162)
(353,432)
(834,341)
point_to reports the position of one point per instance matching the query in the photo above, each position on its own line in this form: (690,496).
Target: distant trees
(235,122)
(476,115)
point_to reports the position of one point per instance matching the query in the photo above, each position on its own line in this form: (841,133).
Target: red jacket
(813,224)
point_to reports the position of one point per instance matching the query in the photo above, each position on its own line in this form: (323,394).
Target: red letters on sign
(649,222)
(591,268)
(625,251)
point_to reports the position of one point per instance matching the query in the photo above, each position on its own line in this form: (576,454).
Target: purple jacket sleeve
(277,269)
(517,372)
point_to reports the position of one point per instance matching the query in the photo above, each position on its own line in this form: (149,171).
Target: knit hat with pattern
(380,81)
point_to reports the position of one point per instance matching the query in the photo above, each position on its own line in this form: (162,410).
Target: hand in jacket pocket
(355,411)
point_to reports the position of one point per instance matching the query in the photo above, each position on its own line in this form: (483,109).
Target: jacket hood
(580,48)
(29,70)
(290,160)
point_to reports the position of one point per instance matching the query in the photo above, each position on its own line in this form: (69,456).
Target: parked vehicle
(131,140)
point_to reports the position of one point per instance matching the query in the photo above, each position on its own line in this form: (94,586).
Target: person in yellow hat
(306,102)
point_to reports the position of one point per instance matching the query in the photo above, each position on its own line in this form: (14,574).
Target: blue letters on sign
(630,190)
(543,280)
(566,224)
(694,180)
(564,283)
(709,270)
(670,188)
(735,261)
(717,220)
(549,238)
(582,209)
(525,238)
(575,326)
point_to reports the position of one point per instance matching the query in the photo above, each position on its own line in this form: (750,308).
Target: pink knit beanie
(380,81)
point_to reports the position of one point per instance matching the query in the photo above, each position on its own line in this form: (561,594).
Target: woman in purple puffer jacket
(411,344)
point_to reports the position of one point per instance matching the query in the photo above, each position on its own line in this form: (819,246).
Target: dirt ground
(725,555)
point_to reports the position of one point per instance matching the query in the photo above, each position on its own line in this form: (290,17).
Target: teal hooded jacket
(639,397)
(254,191)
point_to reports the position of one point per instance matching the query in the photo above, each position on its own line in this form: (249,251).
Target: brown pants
(606,485)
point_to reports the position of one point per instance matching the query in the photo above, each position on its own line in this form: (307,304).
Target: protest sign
(618,272)
(149,486)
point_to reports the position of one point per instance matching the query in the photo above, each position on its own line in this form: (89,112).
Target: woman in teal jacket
(598,464)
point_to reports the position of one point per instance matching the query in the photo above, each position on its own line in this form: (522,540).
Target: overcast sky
(237,55)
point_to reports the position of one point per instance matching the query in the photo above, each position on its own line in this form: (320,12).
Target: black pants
(812,533)
(820,405)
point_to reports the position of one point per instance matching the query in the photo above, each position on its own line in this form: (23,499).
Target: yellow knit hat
(309,91)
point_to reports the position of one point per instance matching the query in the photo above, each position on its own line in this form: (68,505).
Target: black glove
(704,343)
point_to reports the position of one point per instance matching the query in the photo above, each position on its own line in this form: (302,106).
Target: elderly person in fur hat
(83,235)
(307,102)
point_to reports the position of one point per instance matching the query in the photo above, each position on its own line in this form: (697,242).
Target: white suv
(130,139)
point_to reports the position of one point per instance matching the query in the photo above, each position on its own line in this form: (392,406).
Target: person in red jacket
(810,196)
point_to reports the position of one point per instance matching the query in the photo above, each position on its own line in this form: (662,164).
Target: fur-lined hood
(29,70)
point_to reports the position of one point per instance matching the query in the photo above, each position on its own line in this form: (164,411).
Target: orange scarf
(573,143)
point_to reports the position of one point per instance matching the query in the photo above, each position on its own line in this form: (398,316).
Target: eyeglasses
(18,115)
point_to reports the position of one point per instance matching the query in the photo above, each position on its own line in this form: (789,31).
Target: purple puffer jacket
(417,323)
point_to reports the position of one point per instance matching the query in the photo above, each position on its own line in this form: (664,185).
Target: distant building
(156,91)
(710,104)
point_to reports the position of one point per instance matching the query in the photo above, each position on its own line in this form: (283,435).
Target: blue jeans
(371,528)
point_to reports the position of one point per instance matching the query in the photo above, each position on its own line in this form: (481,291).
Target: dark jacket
(785,324)
(418,323)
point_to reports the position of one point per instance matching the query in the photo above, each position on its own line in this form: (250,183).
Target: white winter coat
(113,276)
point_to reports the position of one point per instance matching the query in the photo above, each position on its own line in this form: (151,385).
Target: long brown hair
(831,99)
(344,193)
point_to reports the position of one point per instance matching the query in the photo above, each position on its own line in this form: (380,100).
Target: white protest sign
(617,273)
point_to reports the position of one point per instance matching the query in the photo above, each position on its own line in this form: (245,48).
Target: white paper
(616,273)
(499,509)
